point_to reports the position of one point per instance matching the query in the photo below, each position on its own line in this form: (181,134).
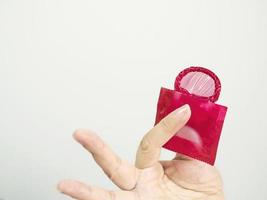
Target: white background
(100,64)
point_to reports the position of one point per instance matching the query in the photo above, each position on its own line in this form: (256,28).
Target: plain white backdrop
(100,64)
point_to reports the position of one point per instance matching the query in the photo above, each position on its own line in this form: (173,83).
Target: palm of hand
(179,179)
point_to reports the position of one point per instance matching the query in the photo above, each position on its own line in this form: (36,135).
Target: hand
(150,179)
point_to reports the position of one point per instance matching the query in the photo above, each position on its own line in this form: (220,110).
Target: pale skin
(149,179)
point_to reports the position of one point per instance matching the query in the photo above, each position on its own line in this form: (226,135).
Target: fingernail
(59,186)
(65,186)
(182,112)
(88,140)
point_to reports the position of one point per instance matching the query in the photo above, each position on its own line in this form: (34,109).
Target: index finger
(148,152)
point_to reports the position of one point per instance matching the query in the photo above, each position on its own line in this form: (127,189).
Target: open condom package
(200,89)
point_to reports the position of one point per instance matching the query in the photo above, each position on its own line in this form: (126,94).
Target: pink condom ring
(198,82)
(199,138)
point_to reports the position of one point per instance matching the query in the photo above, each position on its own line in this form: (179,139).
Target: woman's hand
(150,179)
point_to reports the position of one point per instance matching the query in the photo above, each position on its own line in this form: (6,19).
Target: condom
(199,88)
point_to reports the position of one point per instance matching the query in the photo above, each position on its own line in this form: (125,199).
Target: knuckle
(115,171)
(145,145)
(112,195)
(98,150)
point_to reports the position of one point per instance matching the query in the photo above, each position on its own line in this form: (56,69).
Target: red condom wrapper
(199,88)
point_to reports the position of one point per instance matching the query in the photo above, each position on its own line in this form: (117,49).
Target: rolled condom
(200,89)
